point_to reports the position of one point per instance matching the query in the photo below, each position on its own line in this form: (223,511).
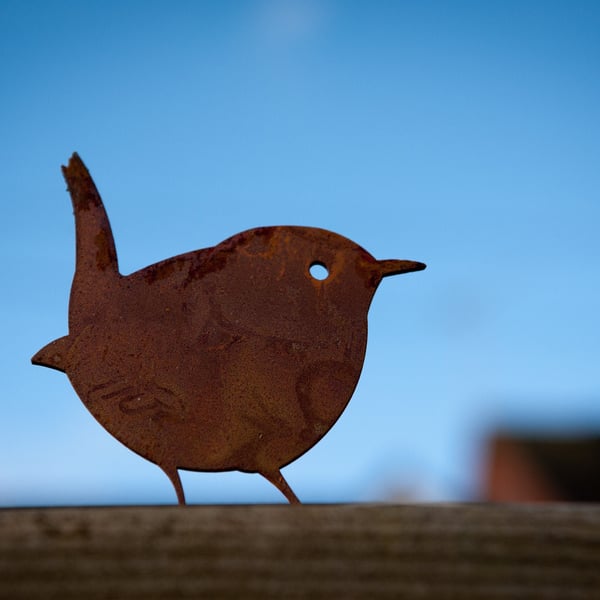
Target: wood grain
(309,551)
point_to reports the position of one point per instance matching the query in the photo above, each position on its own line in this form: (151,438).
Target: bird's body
(228,358)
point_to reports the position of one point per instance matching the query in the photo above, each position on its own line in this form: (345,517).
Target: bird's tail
(96,255)
(96,265)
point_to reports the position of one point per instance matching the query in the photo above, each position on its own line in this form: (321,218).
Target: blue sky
(462,134)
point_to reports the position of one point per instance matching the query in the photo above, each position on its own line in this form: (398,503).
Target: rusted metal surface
(233,357)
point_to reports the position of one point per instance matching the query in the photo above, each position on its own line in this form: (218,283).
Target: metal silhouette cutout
(235,357)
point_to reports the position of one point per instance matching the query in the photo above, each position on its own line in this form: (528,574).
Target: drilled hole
(318,271)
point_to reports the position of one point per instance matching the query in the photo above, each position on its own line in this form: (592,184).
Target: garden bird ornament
(234,357)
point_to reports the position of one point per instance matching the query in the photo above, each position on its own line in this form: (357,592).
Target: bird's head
(286,276)
(340,269)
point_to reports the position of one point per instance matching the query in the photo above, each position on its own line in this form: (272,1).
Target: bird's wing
(54,354)
(154,399)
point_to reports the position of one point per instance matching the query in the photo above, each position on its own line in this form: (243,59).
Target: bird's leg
(173,475)
(277,479)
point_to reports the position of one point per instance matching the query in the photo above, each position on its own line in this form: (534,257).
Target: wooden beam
(316,551)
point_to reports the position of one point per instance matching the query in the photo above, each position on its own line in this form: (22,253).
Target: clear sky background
(462,134)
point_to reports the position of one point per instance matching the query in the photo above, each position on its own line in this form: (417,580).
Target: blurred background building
(525,467)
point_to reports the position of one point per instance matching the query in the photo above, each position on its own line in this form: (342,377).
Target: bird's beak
(397,267)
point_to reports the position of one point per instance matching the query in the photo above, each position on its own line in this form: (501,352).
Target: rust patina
(235,357)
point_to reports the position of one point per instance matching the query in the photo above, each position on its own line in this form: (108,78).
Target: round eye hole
(318,271)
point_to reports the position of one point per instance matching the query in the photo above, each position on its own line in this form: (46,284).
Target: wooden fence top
(316,551)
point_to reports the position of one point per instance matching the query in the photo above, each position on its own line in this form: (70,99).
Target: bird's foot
(277,479)
(173,475)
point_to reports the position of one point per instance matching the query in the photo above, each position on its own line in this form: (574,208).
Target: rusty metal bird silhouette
(234,357)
